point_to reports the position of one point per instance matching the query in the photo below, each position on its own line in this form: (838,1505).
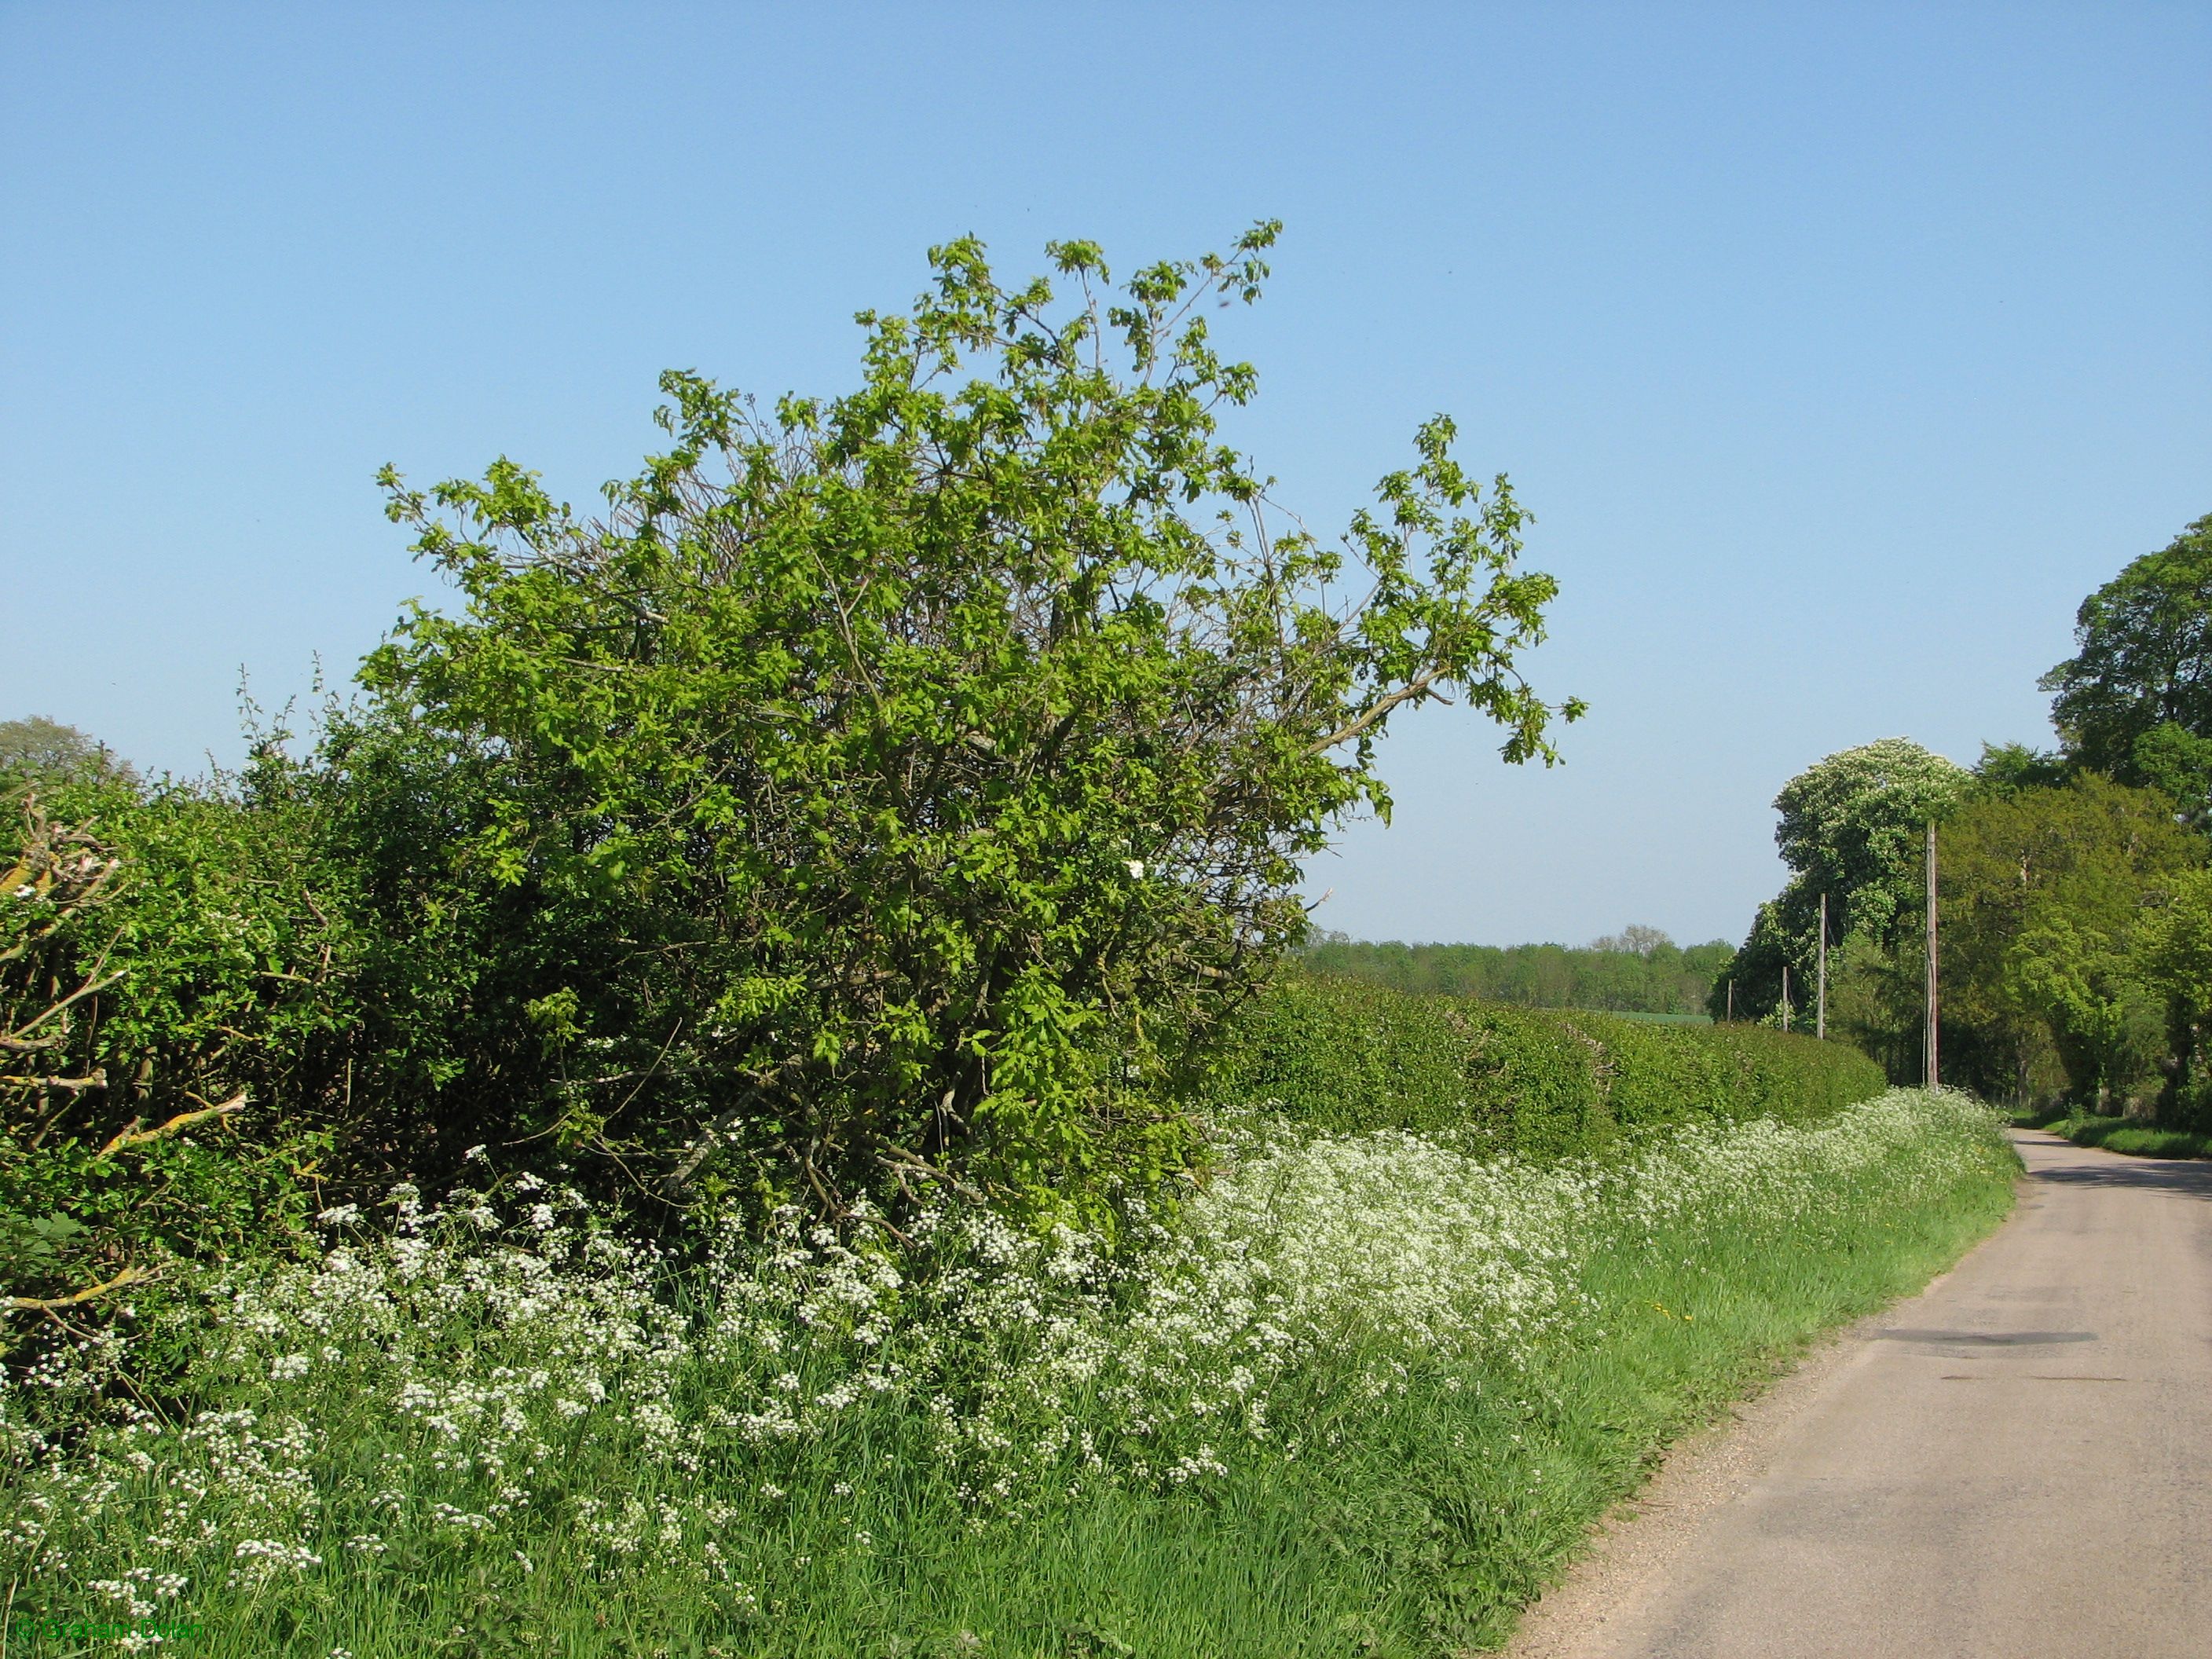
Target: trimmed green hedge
(1545,1083)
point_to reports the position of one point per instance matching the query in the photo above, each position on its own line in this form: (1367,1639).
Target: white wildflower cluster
(531,1375)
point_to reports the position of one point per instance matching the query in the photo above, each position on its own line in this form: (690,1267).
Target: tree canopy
(2042,893)
(1852,827)
(40,750)
(2135,701)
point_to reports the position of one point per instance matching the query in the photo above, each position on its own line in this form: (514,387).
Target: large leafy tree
(1851,827)
(902,785)
(2042,893)
(2135,701)
(39,751)
(1854,826)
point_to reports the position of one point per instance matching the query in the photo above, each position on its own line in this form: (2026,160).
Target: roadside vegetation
(900,789)
(1346,1056)
(2076,902)
(2117,1134)
(752,1091)
(1363,1393)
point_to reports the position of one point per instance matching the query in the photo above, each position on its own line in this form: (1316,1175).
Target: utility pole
(1731,1013)
(1786,996)
(1820,1020)
(1933,1074)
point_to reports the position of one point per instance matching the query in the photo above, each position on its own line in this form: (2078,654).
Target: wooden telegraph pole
(1820,1019)
(1932,1071)
(1786,996)
(1731,1013)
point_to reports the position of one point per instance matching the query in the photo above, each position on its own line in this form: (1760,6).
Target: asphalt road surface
(2015,1463)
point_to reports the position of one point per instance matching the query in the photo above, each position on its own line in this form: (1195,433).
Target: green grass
(2119,1134)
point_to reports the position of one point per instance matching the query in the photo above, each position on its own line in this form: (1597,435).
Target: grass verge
(1471,1361)
(2119,1134)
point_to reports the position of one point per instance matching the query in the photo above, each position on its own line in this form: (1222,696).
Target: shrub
(918,776)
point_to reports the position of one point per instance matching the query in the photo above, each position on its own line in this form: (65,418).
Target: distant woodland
(1638,970)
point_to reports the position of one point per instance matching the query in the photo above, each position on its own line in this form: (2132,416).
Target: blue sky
(1839,350)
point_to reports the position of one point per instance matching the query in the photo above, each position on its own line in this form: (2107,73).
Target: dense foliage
(2174,955)
(821,926)
(2043,894)
(175,1019)
(893,792)
(2049,896)
(2072,896)
(1639,970)
(2135,701)
(920,776)
(1851,829)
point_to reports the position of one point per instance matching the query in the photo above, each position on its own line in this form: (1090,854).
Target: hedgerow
(888,790)
(178,1027)
(1343,1056)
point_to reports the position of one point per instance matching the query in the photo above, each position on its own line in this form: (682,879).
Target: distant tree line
(2075,903)
(1639,970)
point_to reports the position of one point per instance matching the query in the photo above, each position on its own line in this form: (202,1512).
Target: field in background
(1639,970)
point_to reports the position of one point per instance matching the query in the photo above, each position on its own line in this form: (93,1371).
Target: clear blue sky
(1839,350)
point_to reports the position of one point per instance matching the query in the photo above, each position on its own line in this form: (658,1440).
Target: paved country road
(2015,1463)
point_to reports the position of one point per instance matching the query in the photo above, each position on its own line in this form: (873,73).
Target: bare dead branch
(135,1136)
(1417,687)
(47,1304)
(90,987)
(95,1079)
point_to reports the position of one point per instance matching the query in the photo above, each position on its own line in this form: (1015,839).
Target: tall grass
(1359,1395)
